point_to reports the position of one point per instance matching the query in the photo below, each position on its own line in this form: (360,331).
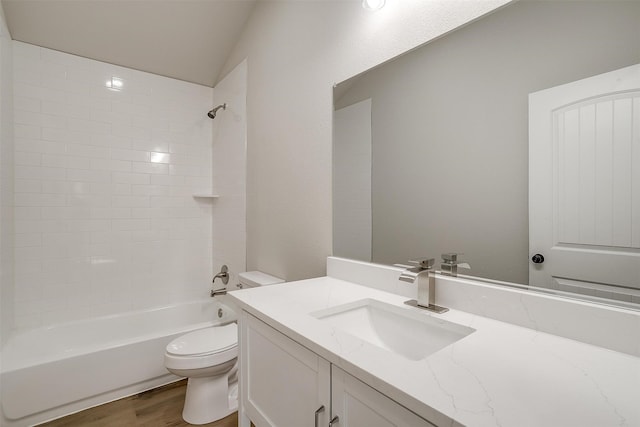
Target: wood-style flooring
(160,407)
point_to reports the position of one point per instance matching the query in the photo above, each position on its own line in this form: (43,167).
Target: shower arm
(212,113)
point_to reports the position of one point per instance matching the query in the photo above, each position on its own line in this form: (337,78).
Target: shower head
(212,113)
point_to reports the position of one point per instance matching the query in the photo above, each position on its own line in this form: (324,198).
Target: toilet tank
(252,279)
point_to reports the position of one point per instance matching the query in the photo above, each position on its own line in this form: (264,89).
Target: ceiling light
(373,4)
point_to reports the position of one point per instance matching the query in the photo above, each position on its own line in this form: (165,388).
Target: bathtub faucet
(224,276)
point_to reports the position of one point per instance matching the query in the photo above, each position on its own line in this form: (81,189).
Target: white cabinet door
(584,184)
(357,405)
(283,384)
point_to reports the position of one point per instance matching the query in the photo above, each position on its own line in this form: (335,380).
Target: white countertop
(500,375)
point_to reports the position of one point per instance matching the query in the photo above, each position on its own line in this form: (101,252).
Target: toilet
(209,359)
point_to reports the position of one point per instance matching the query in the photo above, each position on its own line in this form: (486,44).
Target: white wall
(6,181)
(229,175)
(105,218)
(296,51)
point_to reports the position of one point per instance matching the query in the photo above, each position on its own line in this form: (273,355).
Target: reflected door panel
(584,185)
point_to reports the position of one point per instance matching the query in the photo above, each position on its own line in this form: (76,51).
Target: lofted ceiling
(184,39)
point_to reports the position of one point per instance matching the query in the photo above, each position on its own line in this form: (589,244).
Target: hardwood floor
(161,407)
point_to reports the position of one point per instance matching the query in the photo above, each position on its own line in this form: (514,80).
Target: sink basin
(408,333)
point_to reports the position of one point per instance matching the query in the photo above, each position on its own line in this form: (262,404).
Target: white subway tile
(131,178)
(54,160)
(140,212)
(44,94)
(52,121)
(27,186)
(111,165)
(186,170)
(133,155)
(35,199)
(160,157)
(130,201)
(88,126)
(26,104)
(164,202)
(38,146)
(65,135)
(27,212)
(130,224)
(150,122)
(112,141)
(88,200)
(131,132)
(28,118)
(66,110)
(28,239)
(150,190)
(89,225)
(130,108)
(26,50)
(121,189)
(66,212)
(152,168)
(27,253)
(88,175)
(87,151)
(151,145)
(59,187)
(50,173)
(26,131)
(39,225)
(167,180)
(88,101)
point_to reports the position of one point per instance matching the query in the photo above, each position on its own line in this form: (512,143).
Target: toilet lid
(205,341)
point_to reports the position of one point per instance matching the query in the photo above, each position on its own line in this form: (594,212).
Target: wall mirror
(431,150)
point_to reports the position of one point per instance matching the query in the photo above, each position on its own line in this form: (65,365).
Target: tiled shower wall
(105,218)
(6,181)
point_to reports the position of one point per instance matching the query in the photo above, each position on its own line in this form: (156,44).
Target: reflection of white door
(584,185)
(352,181)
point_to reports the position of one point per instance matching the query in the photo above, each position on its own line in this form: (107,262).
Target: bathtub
(51,372)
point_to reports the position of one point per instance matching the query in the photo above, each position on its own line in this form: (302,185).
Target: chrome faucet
(423,274)
(450,264)
(224,276)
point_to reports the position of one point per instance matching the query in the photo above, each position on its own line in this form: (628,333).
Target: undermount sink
(408,333)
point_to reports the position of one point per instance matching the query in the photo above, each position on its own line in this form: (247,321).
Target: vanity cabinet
(285,384)
(357,404)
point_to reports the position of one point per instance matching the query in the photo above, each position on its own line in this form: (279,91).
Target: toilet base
(209,399)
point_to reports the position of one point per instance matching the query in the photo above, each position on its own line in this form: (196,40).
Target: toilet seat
(203,348)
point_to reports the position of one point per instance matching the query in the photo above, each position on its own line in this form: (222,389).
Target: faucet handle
(450,258)
(424,263)
(450,264)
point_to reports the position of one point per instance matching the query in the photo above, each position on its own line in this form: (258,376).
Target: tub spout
(218,292)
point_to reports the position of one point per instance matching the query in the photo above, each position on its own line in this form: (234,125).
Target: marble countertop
(500,375)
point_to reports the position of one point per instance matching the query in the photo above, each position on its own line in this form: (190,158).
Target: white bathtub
(50,372)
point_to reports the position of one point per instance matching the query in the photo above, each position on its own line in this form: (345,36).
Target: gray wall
(450,128)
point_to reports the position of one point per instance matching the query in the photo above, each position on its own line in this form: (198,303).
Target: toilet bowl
(209,359)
